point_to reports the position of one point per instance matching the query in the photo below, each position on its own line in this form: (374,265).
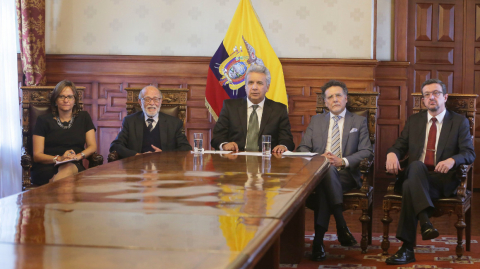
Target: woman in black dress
(61,136)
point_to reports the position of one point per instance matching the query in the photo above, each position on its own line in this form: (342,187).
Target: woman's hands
(68,155)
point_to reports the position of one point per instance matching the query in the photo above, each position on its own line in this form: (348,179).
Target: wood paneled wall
(443,41)
(106,77)
(391,82)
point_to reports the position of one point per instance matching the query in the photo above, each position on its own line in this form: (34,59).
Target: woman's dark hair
(56,92)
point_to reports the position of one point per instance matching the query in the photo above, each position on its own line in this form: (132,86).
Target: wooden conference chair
(36,102)
(174,103)
(458,204)
(363,104)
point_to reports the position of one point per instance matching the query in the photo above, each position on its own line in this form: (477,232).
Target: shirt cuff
(346,162)
(221,145)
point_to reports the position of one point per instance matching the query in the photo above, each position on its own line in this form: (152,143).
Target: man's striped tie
(150,124)
(336,138)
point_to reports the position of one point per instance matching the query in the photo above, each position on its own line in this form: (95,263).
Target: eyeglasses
(148,100)
(67,97)
(435,94)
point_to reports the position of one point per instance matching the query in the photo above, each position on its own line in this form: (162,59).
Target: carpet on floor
(438,253)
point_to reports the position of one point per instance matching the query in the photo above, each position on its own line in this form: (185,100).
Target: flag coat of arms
(245,43)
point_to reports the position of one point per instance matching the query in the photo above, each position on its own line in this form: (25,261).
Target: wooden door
(435,41)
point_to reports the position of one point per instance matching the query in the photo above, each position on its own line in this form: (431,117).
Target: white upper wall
(295,28)
(384,30)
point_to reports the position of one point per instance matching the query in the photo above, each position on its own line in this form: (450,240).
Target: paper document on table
(214,151)
(249,153)
(299,154)
(66,161)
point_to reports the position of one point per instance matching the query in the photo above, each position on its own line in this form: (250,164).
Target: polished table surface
(160,210)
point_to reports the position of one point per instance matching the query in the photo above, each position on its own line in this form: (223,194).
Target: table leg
(292,239)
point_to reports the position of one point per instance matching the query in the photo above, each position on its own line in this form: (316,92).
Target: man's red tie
(430,152)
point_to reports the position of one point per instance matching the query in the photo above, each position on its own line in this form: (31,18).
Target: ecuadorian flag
(244,44)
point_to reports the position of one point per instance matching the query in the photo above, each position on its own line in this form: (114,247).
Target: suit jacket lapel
(347,125)
(422,127)
(445,131)
(242,112)
(163,131)
(139,131)
(267,111)
(324,127)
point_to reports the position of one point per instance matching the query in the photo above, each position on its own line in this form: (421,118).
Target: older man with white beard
(150,130)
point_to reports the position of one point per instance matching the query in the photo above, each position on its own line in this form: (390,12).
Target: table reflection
(175,202)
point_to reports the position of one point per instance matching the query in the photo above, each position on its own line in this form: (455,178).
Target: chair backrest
(361,103)
(464,104)
(174,102)
(36,102)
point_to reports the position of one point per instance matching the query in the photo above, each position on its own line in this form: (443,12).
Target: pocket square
(353,130)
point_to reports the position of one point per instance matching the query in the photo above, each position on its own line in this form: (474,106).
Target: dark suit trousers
(330,192)
(418,189)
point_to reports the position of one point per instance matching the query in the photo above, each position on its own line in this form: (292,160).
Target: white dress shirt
(259,111)
(439,123)
(155,120)
(341,121)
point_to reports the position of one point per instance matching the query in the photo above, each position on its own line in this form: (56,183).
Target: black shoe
(345,238)
(403,256)
(318,252)
(428,232)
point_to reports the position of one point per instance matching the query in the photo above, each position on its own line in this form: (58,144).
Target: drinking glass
(198,142)
(266,145)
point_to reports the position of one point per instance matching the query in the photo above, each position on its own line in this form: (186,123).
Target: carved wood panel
(472,65)
(446,25)
(452,54)
(441,54)
(106,77)
(424,22)
(391,83)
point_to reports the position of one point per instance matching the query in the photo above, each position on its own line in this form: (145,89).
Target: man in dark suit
(242,122)
(437,142)
(342,137)
(149,130)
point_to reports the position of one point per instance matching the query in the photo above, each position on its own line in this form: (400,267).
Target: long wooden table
(164,210)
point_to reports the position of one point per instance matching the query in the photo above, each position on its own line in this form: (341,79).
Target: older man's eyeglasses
(66,97)
(435,94)
(148,100)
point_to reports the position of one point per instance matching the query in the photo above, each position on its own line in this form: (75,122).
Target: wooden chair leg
(460,225)
(365,219)
(370,214)
(386,225)
(468,229)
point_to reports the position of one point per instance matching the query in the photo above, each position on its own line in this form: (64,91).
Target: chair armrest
(391,188)
(403,164)
(365,166)
(26,161)
(395,187)
(113,156)
(95,160)
(462,171)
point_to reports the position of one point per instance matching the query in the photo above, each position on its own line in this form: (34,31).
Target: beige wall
(295,28)
(385,24)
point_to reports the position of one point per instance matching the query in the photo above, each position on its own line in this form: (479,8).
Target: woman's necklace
(63,126)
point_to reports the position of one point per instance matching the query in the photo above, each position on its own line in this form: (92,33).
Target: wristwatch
(83,155)
(55,158)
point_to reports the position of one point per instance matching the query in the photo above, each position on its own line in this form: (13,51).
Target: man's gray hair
(142,92)
(259,69)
